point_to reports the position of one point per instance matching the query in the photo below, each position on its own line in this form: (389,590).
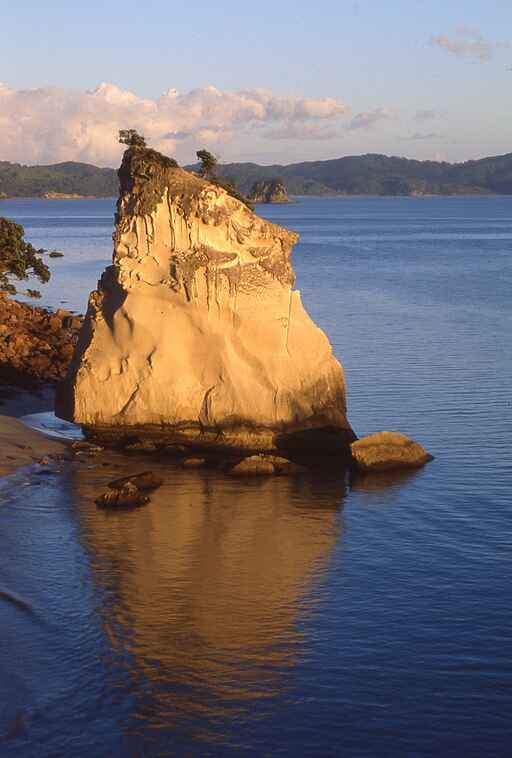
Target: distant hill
(69,178)
(380,175)
(370,174)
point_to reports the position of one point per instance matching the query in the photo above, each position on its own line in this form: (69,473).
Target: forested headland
(370,174)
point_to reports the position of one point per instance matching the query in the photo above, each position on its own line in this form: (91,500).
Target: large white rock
(195,334)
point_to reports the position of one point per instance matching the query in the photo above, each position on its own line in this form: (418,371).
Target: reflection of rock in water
(381,480)
(203,586)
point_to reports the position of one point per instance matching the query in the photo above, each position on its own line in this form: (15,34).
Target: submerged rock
(195,335)
(194,462)
(129,496)
(254,465)
(388,450)
(266,465)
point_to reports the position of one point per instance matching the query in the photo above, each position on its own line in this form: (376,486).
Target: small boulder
(145,481)
(193,462)
(388,450)
(56,254)
(254,465)
(126,497)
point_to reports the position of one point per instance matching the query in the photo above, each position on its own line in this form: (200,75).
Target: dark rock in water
(384,451)
(55,254)
(193,462)
(253,465)
(145,481)
(273,191)
(266,465)
(126,497)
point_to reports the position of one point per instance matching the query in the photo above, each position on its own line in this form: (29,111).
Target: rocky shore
(36,344)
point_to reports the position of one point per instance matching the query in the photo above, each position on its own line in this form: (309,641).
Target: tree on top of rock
(131,138)
(208,167)
(18,258)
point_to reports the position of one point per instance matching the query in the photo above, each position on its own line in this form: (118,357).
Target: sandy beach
(21,446)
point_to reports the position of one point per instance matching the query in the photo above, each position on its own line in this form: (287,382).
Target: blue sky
(429,79)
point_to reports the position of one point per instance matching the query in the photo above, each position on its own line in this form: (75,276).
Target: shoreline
(21,446)
(343,195)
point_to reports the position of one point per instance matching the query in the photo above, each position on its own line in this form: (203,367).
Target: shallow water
(306,616)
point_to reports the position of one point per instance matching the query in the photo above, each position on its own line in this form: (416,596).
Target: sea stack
(272,191)
(195,334)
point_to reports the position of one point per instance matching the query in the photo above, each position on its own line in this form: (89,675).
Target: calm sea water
(297,617)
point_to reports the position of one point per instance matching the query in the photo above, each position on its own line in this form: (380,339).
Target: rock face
(384,451)
(195,335)
(273,191)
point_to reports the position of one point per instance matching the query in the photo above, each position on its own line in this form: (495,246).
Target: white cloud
(302,131)
(53,124)
(467,43)
(369,119)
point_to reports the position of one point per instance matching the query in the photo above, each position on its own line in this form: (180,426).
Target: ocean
(311,616)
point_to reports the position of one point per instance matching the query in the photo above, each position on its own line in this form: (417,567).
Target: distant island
(370,174)
(374,174)
(272,191)
(57,181)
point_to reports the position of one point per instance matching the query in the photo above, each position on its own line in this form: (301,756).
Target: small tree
(18,258)
(131,138)
(208,167)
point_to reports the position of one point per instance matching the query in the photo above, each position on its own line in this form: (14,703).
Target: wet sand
(21,446)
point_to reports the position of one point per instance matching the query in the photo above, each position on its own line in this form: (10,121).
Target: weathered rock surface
(195,335)
(272,191)
(388,450)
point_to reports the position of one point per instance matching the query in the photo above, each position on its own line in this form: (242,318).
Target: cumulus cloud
(467,43)
(368,119)
(53,124)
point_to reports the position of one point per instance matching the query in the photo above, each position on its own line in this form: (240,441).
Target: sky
(269,82)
